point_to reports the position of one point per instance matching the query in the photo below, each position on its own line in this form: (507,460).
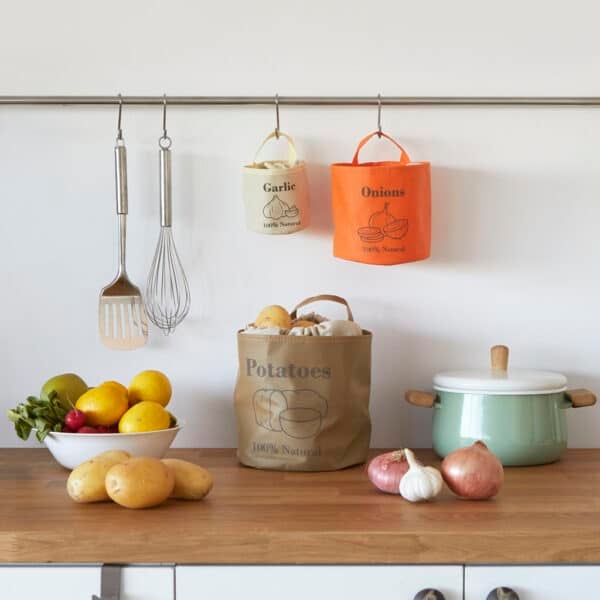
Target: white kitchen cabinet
(302,582)
(550,582)
(66,582)
(74,582)
(49,582)
(147,583)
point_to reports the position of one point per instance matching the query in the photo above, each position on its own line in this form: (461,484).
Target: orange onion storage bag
(381,210)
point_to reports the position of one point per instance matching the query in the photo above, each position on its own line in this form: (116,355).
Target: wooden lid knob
(499,358)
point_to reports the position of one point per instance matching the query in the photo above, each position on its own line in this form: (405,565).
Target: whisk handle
(121,178)
(166,203)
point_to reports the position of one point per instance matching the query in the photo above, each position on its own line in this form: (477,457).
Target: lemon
(144,416)
(118,385)
(103,405)
(150,386)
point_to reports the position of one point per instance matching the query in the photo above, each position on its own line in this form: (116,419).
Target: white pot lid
(491,381)
(499,379)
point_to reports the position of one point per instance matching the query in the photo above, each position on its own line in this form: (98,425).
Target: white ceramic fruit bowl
(71,449)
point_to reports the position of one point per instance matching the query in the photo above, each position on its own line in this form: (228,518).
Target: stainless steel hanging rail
(306,100)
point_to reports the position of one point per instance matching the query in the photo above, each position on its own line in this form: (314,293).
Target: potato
(192,482)
(303,323)
(86,482)
(140,482)
(273,316)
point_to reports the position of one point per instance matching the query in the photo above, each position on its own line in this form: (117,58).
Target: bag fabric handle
(292,154)
(327,297)
(404,159)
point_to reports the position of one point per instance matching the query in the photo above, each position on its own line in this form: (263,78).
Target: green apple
(68,388)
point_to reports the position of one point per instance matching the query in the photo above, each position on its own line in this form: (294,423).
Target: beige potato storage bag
(275,192)
(302,403)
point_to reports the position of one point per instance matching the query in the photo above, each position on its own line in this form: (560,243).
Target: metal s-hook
(277,116)
(379,130)
(164,115)
(164,141)
(119,130)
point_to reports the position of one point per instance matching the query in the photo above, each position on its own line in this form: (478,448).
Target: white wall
(515,191)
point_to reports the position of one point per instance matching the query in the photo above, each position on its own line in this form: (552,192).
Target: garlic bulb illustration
(275,209)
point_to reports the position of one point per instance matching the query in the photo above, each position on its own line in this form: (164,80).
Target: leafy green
(44,414)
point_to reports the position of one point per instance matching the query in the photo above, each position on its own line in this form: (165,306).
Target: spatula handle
(122,205)
(121,177)
(122,242)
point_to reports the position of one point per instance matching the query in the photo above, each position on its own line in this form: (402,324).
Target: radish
(87,429)
(75,419)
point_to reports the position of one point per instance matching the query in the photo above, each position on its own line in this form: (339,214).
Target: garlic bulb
(419,483)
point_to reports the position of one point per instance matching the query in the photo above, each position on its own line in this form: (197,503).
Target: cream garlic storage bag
(275,192)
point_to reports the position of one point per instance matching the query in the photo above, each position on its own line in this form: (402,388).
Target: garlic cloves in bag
(419,483)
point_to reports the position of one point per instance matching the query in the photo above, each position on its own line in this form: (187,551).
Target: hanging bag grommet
(381,210)
(275,192)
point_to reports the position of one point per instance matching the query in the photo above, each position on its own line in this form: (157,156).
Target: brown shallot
(473,472)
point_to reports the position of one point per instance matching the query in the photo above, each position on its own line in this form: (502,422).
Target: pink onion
(386,470)
(473,472)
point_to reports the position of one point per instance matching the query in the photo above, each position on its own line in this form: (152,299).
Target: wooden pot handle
(580,398)
(418,398)
(499,358)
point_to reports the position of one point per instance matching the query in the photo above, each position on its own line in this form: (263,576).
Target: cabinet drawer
(147,583)
(49,583)
(300,583)
(534,583)
(66,582)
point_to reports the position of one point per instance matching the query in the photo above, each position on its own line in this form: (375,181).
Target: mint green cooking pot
(519,414)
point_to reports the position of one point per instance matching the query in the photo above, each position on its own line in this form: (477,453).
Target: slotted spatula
(121,314)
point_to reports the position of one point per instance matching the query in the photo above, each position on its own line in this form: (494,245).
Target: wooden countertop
(543,514)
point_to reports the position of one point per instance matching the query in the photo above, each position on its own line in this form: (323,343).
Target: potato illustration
(301,423)
(308,399)
(268,404)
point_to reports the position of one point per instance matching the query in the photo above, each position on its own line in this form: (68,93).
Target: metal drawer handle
(110,583)
(429,594)
(503,593)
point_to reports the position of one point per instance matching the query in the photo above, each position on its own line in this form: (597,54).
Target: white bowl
(71,449)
